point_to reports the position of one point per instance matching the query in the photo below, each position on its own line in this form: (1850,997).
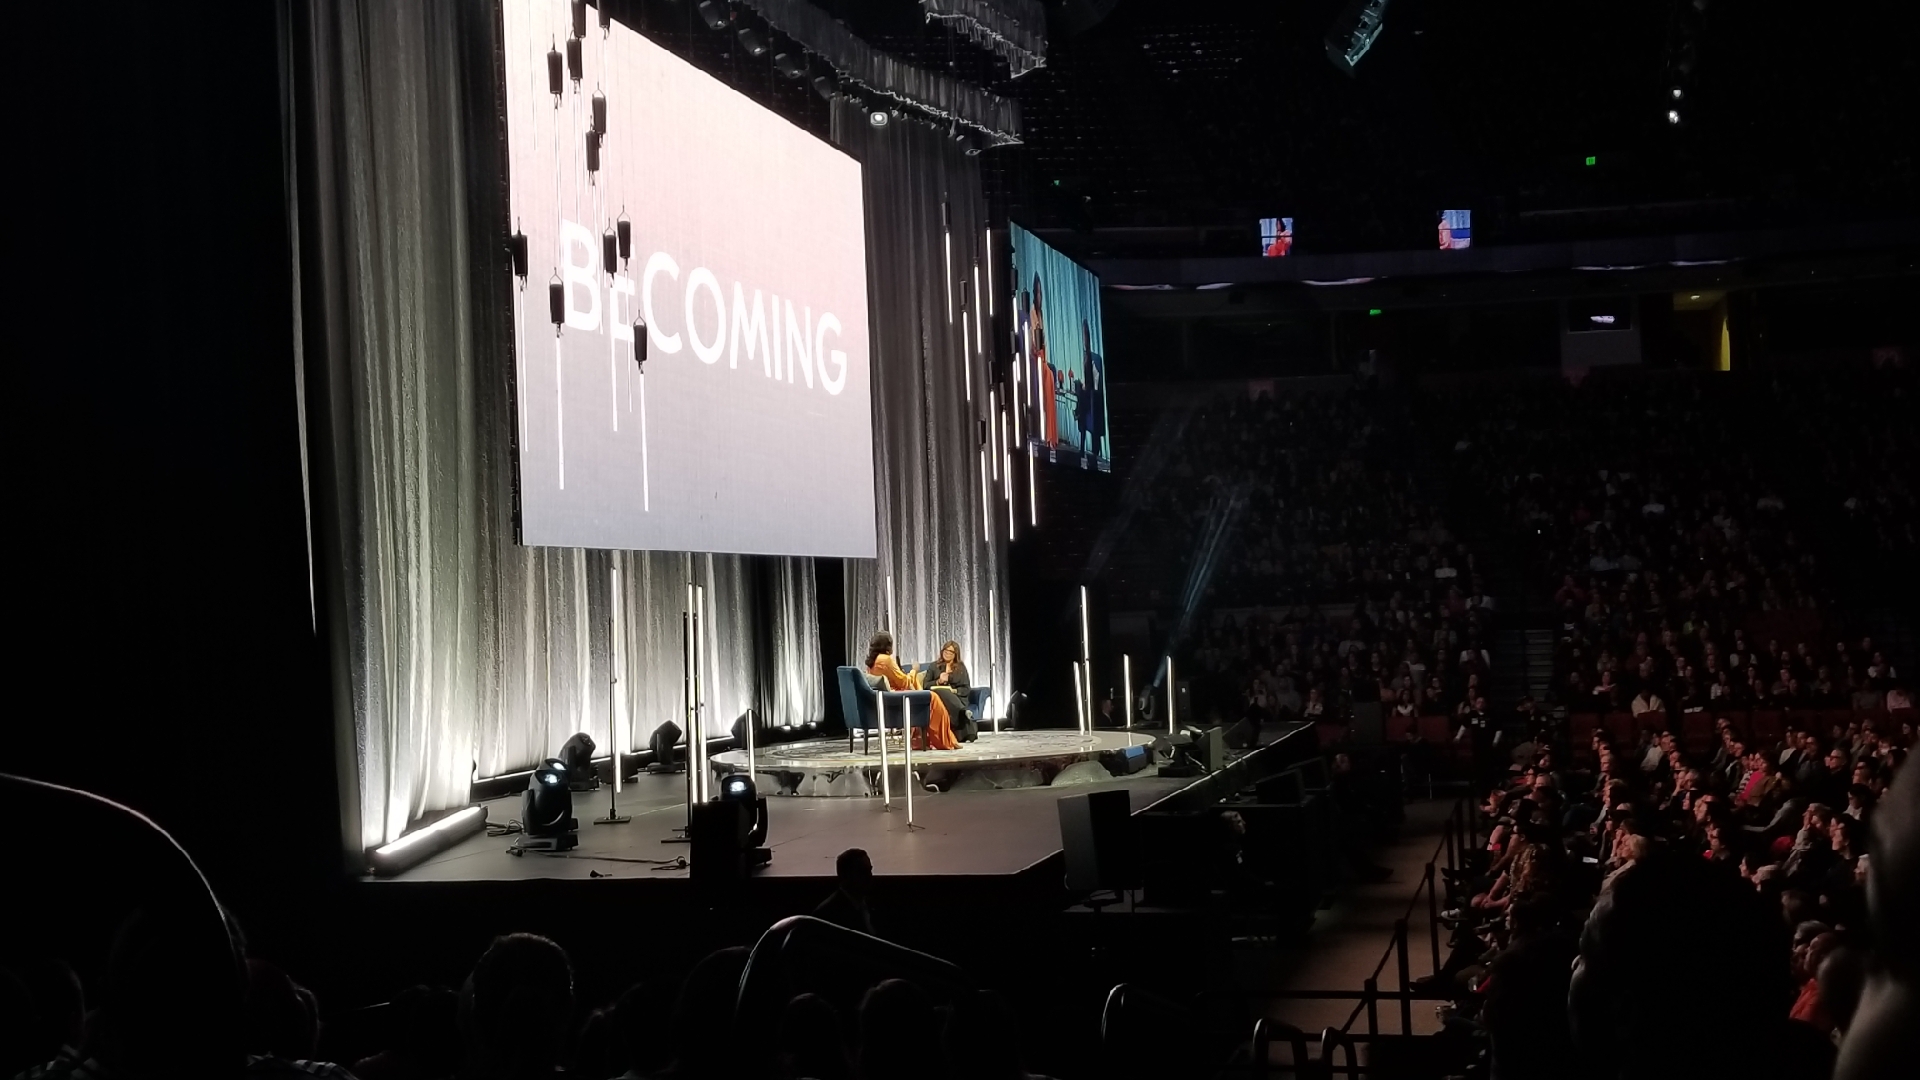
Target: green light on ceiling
(1373,311)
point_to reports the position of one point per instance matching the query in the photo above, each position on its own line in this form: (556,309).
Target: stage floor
(996,761)
(960,833)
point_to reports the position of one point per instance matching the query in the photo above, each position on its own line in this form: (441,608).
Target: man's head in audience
(517,1008)
(854,871)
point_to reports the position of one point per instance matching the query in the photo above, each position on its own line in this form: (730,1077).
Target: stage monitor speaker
(1369,724)
(1128,759)
(1243,735)
(1314,775)
(1096,834)
(1210,748)
(721,835)
(1282,789)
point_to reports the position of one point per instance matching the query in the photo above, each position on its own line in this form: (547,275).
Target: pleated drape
(458,653)
(943,533)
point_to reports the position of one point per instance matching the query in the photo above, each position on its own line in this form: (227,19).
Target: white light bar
(430,840)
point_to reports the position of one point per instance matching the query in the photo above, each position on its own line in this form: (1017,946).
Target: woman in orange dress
(880,662)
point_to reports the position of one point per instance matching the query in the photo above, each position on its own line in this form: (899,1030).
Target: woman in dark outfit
(951,683)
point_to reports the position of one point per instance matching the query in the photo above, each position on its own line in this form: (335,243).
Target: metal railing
(1458,838)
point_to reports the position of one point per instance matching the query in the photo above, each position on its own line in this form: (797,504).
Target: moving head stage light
(1354,31)
(727,833)
(577,755)
(665,737)
(546,815)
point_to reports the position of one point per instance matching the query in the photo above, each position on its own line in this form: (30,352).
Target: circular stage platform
(1008,759)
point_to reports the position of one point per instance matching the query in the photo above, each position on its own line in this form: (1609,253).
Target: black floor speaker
(1096,835)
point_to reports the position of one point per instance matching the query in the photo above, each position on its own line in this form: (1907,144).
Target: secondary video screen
(1058,338)
(1456,230)
(1276,236)
(658,203)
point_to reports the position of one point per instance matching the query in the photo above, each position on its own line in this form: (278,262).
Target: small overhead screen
(1456,230)
(691,365)
(1276,237)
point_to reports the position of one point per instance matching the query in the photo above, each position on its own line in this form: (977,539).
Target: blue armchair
(861,706)
(977,698)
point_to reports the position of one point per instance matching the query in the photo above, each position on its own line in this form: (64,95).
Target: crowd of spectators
(1748,859)
(517,1016)
(1681,577)
(1336,582)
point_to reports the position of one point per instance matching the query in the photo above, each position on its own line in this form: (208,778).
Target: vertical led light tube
(1126,680)
(1170,724)
(986,501)
(906,748)
(1033,504)
(1079,699)
(979,325)
(993,653)
(614,656)
(988,244)
(700,684)
(966,355)
(993,429)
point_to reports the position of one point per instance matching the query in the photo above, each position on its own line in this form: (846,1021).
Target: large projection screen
(1059,338)
(749,429)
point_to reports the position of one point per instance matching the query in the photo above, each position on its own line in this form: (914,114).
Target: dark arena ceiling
(1168,126)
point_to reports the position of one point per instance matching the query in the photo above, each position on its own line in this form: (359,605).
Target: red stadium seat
(1738,720)
(1435,729)
(1399,728)
(1696,733)
(1651,721)
(1767,725)
(1620,729)
(1580,728)
(1329,733)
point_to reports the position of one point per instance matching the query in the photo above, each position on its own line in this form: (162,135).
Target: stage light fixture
(739,729)
(557,303)
(878,118)
(665,737)
(610,251)
(739,788)
(579,18)
(599,112)
(751,42)
(517,254)
(546,816)
(1354,31)
(576,64)
(555,82)
(715,15)
(1678,93)
(793,67)
(576,754)
(606,19)
(823,86)
(640,345)
(427,841)
(625,230)
(1673,116)
(1016,710)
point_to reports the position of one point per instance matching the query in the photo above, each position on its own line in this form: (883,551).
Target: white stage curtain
(458,653)
(942,537)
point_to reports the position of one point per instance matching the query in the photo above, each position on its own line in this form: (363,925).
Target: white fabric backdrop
(458,653)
